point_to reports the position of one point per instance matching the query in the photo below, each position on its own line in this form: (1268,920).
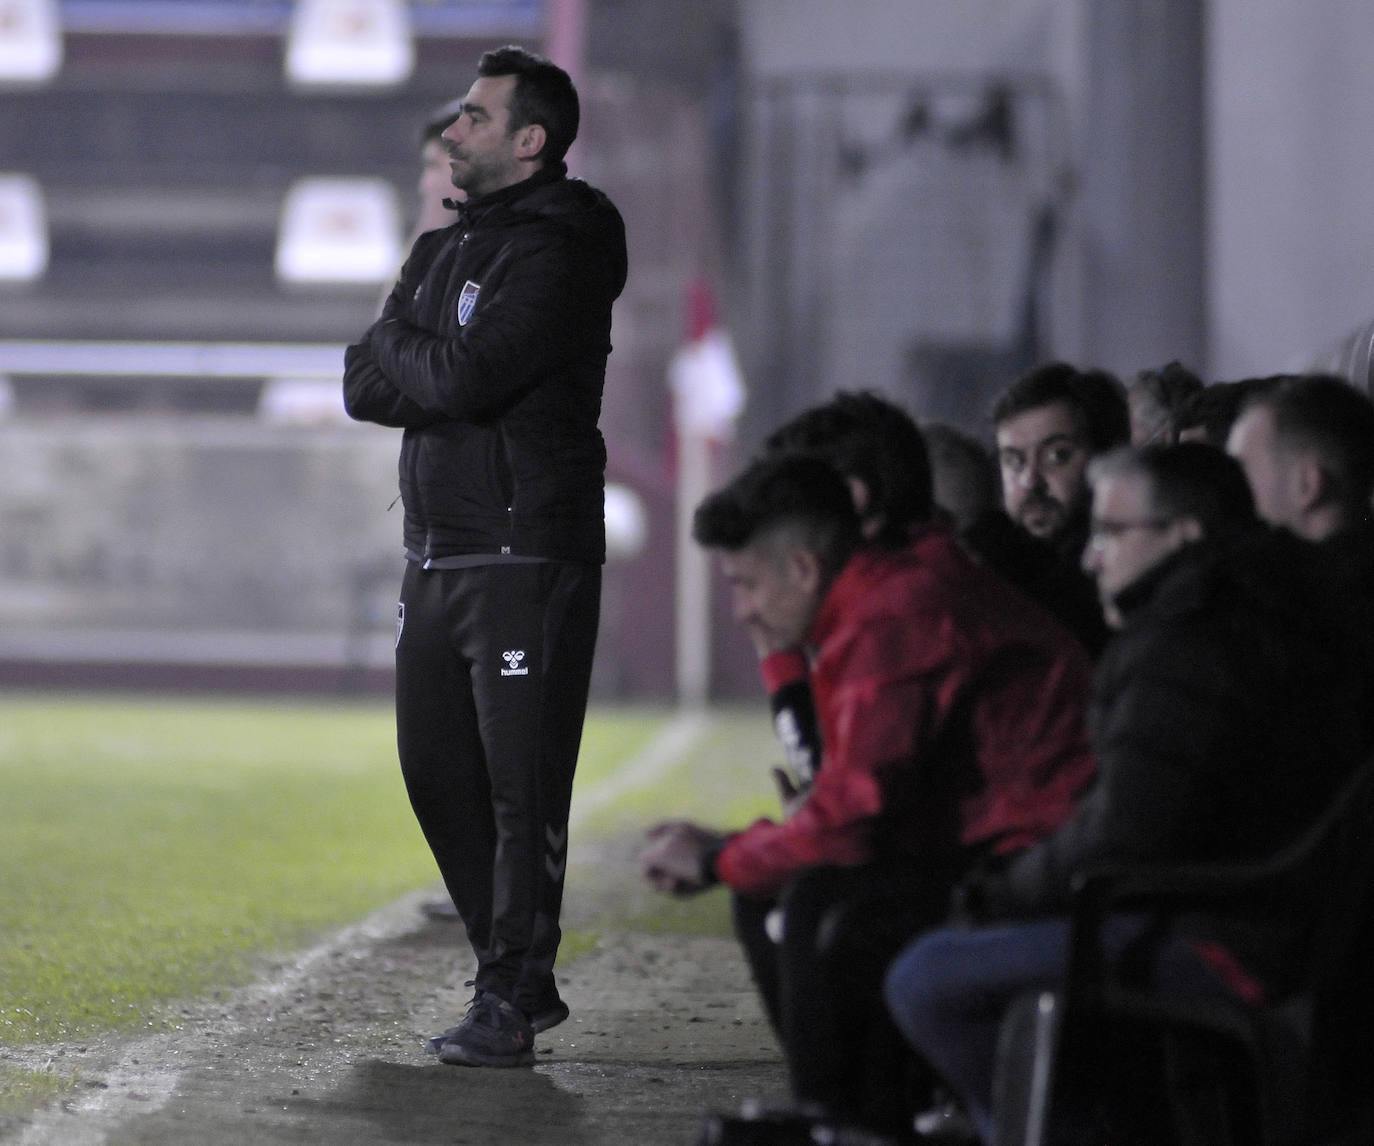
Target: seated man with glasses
(1222,719)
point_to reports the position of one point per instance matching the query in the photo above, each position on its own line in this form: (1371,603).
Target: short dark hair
(870,438)
(543,94)
(1214,408)
(439,119)
(1097,399)
(1330,417)
(1188,479)
(963,473)
(796,491)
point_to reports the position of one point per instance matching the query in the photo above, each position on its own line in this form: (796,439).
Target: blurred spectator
(1209,414)
(877,448)
(1222,720)
(1306,444)
(968,491)
(436,191)
(950,713)
(436,196)
(963,475)
(1048,424)
(1155,397)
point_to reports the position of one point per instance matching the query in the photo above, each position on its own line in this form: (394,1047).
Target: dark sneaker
(549,1016)
(543,1019)
(493,1033)
(540,1022)
(436,1044)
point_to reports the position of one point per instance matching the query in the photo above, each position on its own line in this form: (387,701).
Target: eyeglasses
(1100,532)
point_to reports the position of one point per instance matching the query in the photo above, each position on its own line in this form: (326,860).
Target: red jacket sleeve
(876,709)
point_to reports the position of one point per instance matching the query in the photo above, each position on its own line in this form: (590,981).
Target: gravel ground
(329,1046)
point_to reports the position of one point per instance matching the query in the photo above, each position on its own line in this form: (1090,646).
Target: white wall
(783,36)
(1291,175)
(1288,172)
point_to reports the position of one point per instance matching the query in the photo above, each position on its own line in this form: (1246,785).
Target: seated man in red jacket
(950,710)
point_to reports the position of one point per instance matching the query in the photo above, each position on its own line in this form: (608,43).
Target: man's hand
(672,859)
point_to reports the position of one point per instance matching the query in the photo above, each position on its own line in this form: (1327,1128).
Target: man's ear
(529,141)
(804,568)
(1310,484)
(862,495)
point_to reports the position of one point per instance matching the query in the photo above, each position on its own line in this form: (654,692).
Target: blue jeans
(949,990)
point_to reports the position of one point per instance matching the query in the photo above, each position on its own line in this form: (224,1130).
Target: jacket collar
(474,208)
(1266,565)
(1069,543)
(1162,581)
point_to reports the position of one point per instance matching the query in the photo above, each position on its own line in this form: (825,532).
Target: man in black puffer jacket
(491,354)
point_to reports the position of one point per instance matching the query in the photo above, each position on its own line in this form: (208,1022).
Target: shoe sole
(455,1055)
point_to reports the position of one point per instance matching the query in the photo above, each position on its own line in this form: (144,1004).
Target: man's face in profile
(482,150)
(1269,468)
(775,589)
(1127,537)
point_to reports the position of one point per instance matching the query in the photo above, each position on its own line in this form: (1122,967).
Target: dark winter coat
(491,354)
(1050,573)
(1224,717)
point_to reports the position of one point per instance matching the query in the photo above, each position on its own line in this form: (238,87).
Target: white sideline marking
(141,1083)
(657,758)
(135,1087)
(131,1090)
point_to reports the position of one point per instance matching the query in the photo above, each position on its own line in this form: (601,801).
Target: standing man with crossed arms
(490,353)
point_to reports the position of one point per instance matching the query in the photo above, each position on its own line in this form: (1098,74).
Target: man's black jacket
(491,354)
(1224,715)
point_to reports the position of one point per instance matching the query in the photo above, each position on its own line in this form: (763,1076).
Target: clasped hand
(672,859)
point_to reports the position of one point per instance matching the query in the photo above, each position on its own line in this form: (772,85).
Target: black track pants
(493,665)
(822,985)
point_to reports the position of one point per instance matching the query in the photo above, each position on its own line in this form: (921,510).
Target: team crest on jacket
(467,301)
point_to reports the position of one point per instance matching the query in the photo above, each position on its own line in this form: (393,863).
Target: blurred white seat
(339,230)
(348,43)
(30,41)
(302,402)
(23,228)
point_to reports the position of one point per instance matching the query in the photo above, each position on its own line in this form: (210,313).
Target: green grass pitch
(152,849)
